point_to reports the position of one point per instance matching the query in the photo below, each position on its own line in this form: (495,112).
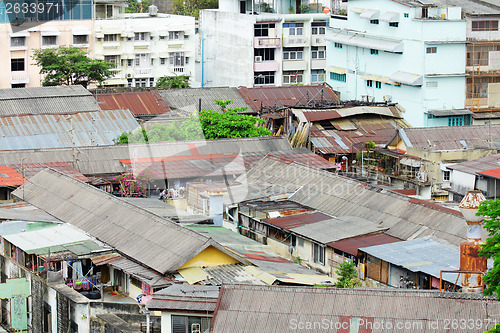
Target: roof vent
(152,10)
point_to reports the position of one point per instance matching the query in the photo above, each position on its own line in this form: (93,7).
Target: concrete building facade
(401,51)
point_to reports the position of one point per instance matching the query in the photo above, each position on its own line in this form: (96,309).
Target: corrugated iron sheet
(153,241)
(495,173)
(351,245)
(46,100)
(10,177)
(338,196)
(478,165)
(267,309)
(139,103)
(294,221)
(31,169)
(286,96)
(55,130)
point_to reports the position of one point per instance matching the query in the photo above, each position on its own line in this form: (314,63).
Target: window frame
(318,254)
(17,63)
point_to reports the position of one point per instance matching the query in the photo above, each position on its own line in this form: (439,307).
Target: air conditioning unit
(387,98)
(318,40)
(258,58)
(261,42)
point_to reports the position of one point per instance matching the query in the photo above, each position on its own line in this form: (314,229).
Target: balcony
(20,77)
(318,40)
(108,45)
(266,66)
(142,72)
(293,41)
(141,44)
(266,42)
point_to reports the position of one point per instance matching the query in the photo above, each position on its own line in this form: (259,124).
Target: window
(129,82)
(176,59)
(185,324)
(406,15)
(318,28)
(478,55)
(374,21)
(18,85)
(431,84)
(425,12)
(446,176)
(152,62)
(264,78)
(318,52)
(265,54)
(337,77)
(141,60)
(394,24)
(369,83)
(140,36)
(49,40)
(431,49)
(80,39)
(294,28)
(491,25)
(173,35)
(129,62)
(186,36)
(163,61)
(141,82)
(17,65)
(317,75)
(262,29)
(373,51)
(378,85)
(162,37)
(292,77)
(151,82)
(293,53)
(338,45)
(112,59)
(110,38)
(456,121)
(17,41)
(318,254)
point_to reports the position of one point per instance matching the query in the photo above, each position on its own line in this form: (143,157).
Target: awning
(20,34)
(50,31)
(451,112)
(389,17)
(358,10)
(407,78)
(410,162)
(99,35)
(163,33)
(379,78)
(367,42)
(336,70)
(370,14)
(81,30)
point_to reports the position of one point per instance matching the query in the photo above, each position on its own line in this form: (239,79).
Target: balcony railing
(179,70)
(21,77)
(263,42)
(142,72)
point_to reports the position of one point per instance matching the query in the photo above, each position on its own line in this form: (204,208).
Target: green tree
(135,6)
(174,82)
(208,124)
(348,277)
(69,65)
(193,7)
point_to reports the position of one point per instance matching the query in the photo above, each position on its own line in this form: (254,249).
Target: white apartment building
(252,44)
(22,33)
(143,46)
(410,52)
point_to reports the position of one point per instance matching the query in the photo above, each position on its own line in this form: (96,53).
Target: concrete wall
(443,80)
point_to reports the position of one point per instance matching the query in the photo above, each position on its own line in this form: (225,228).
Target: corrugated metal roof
(351,245)
(477,165)
(419,255)
(188,99)
(286,96)
(139,103)
(145,237)
(269,309)
(339,196)
(495,173)
(297,220)
(46,100)
(449,137)
(335,229)
(139,272)
(51,131)
(10,177)
(31,169)
(185,297)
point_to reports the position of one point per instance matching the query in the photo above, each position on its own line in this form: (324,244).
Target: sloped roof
(269,309)
(479,165)
(339,196)
(31,169)
(139,103)
(46,100)
(10,177)
(188,99)
(454,137)
(286,96)
(62,130)
(155,242)
(185,297)
(351,245)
